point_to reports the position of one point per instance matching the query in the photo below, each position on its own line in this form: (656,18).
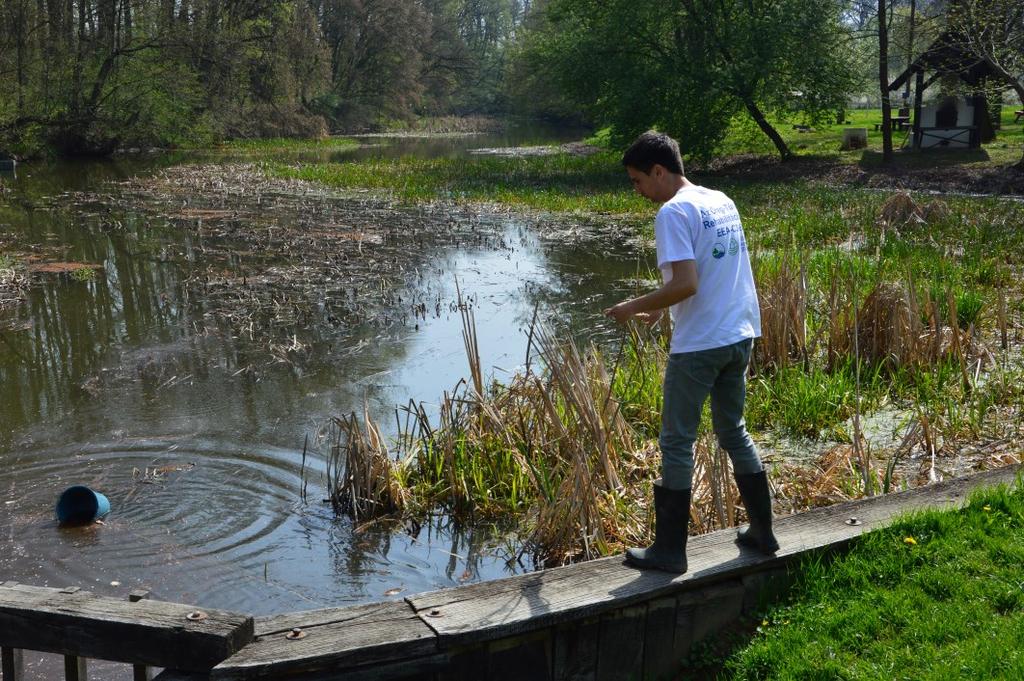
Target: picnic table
(1017,115)
(901,122)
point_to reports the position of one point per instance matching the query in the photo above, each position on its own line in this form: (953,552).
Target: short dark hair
(653,148)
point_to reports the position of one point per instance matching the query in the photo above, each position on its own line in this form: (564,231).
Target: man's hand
(649,318)
(648,308)
(622,312)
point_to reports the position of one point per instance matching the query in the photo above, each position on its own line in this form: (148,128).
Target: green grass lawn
(825,141)
(561,182)
(938,595)
(283,144)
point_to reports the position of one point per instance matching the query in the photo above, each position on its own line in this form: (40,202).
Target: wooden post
(11,664)
(75,668)
(660,661)
(11,659)
(621,644)
(140,672)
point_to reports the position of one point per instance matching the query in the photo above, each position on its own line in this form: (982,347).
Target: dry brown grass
(900,209)
(889,328)
(362,476)
(783,300)
(935,211)
(13,283)
(588,471)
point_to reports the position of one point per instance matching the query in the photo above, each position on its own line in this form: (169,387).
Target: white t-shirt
(703,225)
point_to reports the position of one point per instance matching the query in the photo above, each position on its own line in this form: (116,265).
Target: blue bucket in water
(79,505)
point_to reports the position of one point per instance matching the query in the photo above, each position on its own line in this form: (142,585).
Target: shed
(952,122)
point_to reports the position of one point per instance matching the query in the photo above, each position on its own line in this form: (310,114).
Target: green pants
(689,378)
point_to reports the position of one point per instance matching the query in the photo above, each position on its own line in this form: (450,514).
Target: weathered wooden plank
(465,663)
(75,668)
(711,608)
(178,675)
(285,622)
(515,605)
(154,633)
(620,654)
(418,669)
(523,657)
(335,638)
(140,672)
(660,661)
(682,635)
(764,588)
(576,650)
(11,664)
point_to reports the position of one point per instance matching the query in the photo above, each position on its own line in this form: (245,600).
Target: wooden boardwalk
(595,620)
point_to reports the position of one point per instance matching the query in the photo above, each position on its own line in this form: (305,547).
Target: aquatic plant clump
(13,281)
(551,447)
(549,444)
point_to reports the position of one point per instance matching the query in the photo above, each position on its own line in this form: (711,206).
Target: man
(709,288)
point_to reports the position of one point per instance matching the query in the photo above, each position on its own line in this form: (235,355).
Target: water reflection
(142,381)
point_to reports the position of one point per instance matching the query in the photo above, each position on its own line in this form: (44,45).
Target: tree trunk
(126,10)
(68,24)
(106,28)
(166,14)
(79,66)
(767,128)
(1008,78)
(21,33)
(883,81)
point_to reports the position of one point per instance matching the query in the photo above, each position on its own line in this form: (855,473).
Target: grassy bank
(285,145)
(825,140)
(595,183)
(559,183)
(938,595)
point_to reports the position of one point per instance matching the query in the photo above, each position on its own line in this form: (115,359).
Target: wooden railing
(140,632)
(598,620)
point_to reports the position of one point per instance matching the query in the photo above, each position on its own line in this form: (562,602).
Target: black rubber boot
(671,518)
(757,499)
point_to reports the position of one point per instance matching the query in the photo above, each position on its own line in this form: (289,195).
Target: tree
(690,67)
(993,31)
(883,80)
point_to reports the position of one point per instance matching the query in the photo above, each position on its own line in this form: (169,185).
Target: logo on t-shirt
(734,247)
(718,250)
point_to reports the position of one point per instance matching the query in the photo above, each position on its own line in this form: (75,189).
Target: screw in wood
(196,615)
(435,613)
(853,520)
(138,595)
(295,634)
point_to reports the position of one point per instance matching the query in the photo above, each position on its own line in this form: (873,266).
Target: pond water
(226,321)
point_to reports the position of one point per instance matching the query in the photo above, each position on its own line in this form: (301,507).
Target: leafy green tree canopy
(689,67)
